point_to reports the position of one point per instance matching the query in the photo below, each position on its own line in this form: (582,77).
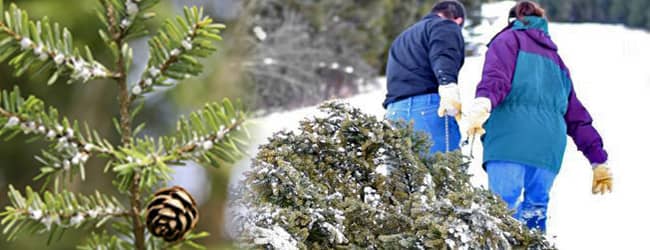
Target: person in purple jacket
(525,106)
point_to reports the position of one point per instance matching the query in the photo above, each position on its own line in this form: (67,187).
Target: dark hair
(526,8)
(451,9)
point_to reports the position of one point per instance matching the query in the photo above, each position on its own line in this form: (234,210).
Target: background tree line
(303,52)
(633,13)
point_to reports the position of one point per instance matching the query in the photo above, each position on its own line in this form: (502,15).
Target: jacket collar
(532,22)
(538,35)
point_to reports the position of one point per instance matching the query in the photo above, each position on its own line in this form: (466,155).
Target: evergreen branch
(188,241)
(52,211)
(207,133)
(125,19)
(131,13)
(211,136)
(176,49)
(44,46)
(104,241)
(69,146)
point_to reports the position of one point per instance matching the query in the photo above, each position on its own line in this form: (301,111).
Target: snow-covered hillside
(609,66)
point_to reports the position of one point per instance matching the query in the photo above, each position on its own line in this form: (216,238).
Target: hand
(602,179)
(478,114)
(449,100)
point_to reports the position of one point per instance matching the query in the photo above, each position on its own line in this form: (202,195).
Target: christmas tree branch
(69,147)
(52,211)
(211,136)
(187,240)
(42,45)
(176,49)
(208,136)
(104,241)
(123,56)
(125,19)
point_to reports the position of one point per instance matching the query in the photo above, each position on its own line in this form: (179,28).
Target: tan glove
(602,179)
(477,115)
(449,101)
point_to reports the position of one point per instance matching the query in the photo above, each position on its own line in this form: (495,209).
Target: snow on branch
(43,46)
(48,211)
(175,50)
(69,148)
(211,136)
(124,19)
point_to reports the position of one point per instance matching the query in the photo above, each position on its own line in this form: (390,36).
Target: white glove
(478,114)
(449,100)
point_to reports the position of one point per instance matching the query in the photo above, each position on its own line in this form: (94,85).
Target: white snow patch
(276,237)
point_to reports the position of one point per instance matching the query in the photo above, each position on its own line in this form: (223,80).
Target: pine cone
(171,213)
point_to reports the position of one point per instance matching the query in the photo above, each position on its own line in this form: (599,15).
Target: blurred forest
(633,13)
(304,52)
(276,55)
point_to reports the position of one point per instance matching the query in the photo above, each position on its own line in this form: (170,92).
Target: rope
(446,134)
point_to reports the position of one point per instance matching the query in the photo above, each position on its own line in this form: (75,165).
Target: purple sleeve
(584,135)
(499,68)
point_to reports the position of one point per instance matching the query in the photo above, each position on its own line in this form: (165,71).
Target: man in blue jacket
(422,75)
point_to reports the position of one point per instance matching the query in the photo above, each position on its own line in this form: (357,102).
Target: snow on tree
(348,180)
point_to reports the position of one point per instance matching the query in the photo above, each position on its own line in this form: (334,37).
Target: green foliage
(346,180)
(214,133)
(44,46)
(70,146)
(56,212)
(176,48)
(126,19)
(634,13)
(104,241)
(212,136)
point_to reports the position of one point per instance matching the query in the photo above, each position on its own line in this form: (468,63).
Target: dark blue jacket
(427,54)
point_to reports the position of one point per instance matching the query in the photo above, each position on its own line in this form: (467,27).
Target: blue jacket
(427,54)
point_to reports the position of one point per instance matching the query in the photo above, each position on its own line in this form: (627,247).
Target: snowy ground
(609,66)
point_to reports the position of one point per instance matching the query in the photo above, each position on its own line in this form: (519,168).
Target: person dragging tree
(525,106)
(422,72)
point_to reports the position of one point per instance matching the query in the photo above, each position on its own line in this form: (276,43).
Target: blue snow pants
(508,180)
(423,111)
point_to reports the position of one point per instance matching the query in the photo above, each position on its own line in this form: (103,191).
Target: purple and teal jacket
(534,104)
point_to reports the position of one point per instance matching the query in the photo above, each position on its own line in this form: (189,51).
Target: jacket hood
(536,28)
(430,16)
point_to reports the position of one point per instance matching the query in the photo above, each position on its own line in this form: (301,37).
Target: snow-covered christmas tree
(348,180)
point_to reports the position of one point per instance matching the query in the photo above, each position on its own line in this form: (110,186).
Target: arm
(585,136)
(498,69)
(446,53)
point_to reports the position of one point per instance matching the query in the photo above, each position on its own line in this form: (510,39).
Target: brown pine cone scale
(171,214)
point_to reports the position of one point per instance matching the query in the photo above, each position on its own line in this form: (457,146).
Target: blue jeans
(508,180)
(423,111)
